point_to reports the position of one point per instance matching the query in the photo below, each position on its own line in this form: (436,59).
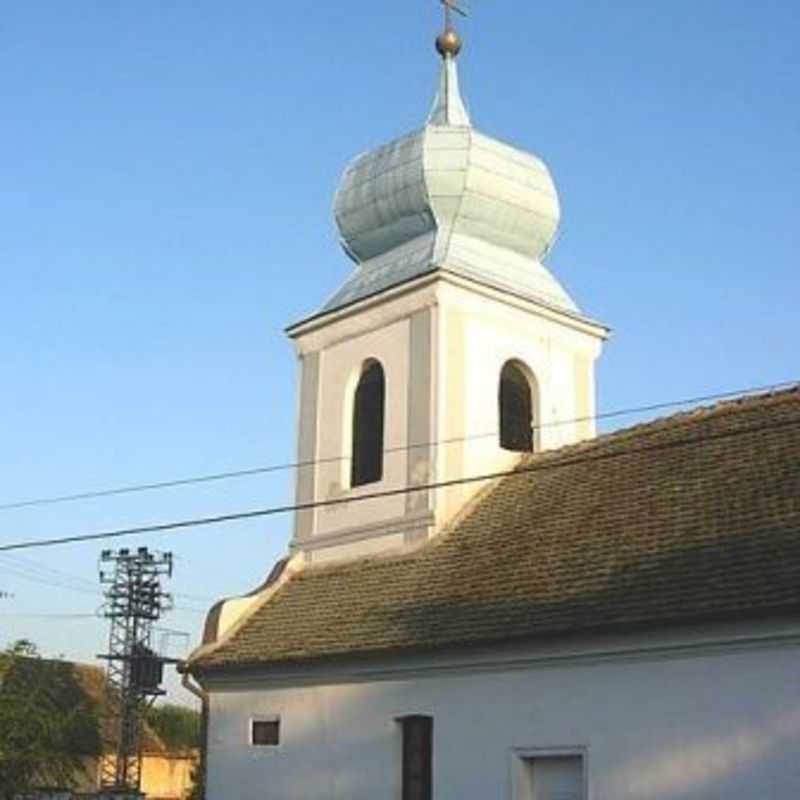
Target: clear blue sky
(166,177)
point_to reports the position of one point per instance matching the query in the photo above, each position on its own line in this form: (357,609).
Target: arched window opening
(516,410)
(368,413)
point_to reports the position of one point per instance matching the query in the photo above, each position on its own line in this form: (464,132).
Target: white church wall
(480,332)
(442,345)
(689,722)
(397,332)
(340,369)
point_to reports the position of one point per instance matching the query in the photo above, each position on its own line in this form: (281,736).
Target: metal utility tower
(134,601)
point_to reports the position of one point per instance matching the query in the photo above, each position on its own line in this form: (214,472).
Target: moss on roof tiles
(692,516)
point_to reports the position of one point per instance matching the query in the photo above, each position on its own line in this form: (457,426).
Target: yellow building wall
(168,775)
(165,776)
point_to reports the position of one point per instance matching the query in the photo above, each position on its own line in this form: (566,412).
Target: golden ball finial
(448,43)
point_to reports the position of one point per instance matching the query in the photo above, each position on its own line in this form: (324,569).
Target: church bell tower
(450,351)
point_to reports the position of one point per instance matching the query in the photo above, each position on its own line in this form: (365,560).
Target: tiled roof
(692,517)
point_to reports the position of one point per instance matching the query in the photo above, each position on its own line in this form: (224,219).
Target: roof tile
(692,516)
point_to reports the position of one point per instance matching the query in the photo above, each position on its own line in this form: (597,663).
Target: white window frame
(519,755)
(264,718)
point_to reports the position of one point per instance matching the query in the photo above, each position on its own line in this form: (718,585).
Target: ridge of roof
(683,530)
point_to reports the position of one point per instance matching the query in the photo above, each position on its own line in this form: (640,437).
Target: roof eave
(563,635)
(325,317)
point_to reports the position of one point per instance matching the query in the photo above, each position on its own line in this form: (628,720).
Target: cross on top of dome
(448,198)
(448,42)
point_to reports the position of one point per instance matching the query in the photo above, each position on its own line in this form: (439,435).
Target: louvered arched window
(368,417)
(516,409)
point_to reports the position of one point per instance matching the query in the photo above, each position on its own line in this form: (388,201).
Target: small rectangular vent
(265,732)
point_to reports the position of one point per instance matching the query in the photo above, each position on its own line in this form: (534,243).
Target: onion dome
(448,198)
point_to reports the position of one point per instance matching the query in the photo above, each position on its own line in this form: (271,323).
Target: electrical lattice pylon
(134,601)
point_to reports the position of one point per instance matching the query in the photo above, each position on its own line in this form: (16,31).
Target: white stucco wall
(442,345)
(341,367)
(478,334)
(692,720)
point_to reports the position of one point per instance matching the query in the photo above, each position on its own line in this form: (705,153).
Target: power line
(99,595)
(46,580)
(50,616)
(285,509)
(43,575)
(44,572)
(270,468)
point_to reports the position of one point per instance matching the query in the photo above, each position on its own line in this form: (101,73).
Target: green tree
(177,726)
(47,723)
